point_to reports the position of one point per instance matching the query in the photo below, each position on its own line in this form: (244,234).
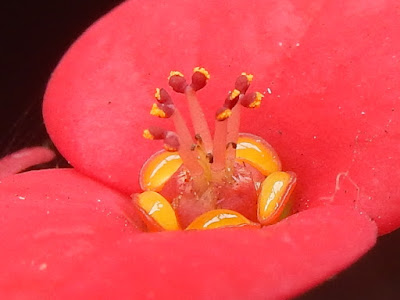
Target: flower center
(202,182)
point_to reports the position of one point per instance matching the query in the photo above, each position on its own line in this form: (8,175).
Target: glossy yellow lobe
(274,196)
(258,153)
(158,169)
(220,218)
(156,211)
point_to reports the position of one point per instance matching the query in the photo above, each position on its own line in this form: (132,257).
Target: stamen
(170,138)
(252,100)
(177,81)
(198,119)
(189,157)
(199,80)
(220,218)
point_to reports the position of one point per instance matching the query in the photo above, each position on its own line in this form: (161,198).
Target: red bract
(332,117)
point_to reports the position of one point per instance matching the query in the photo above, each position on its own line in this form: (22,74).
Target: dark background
(35,36)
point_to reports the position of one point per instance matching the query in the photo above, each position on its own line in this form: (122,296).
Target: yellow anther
(249,76)
(274,196)
(258,153)
(224,114)
(156,111)
(175,73)
(169,148)
(158,169)
(157,94)
(234,94)
(156,211)
(257,100)
(220,218)
(202,71)
(147,135)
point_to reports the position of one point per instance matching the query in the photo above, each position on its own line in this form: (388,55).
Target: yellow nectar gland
(258,153)
(158,170)
(235,180)
(274,196)
(157,211)
(220,218)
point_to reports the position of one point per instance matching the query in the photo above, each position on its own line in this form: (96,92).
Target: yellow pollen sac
(257,100)
(234,94)
(202,71)
(224,114)
(175,73)
(156,211)
(220,218)
(258,153)
(274,196)
(249,76)
(157,94)
(147,135)
(158,169)
(155,111)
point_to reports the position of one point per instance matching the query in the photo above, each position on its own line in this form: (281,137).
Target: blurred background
(34,36)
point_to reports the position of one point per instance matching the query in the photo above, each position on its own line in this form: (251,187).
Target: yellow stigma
(248,76)
(234,94)
(155,111)
(147,135)
(224,115)
(202,71)
(157,94)
(175,73)
(257,101)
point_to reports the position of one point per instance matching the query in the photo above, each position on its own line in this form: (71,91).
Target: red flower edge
(106,91)
(326,64)
(59,245)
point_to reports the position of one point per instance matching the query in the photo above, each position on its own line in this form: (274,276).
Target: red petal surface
(60,241)
(334,113)
(332,69)
(52,222)
(24,159)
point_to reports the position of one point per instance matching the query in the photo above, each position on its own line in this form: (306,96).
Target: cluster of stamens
(204,182)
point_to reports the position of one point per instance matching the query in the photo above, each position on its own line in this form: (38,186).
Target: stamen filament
(199,121)
(232,137)
(190,158)
(219,150)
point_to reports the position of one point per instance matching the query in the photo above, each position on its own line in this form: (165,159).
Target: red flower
(332,117)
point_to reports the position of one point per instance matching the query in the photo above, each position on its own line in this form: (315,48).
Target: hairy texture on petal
(275,262)
(98,100)
(24,159)
(52,223)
